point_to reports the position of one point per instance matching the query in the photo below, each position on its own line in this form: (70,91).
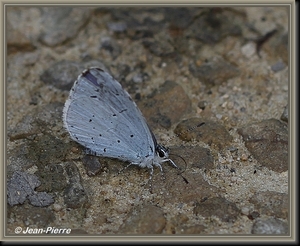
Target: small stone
(61,24)
(245,210)
(57,207)
(166,106)
(214,72)
(278,66)
(271,203)
(202,104)
(217,206)
(147,219)
(285,115)
(244,157)
(117,26)
(249,49)
(268,143)
(212,133)
(270,226)
(92,165)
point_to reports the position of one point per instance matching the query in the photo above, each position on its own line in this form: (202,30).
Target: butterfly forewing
(101,116)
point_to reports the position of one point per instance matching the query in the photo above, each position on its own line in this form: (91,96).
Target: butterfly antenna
(180,173)
(173,163)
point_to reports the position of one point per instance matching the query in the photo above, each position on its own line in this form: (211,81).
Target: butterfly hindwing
(101,116)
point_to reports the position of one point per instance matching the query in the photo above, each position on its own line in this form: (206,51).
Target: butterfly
(101,116)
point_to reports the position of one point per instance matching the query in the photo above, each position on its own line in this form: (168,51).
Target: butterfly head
(162,152)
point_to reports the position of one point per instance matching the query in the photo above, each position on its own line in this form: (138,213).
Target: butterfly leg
(122,169)
(161,171)
(150,179)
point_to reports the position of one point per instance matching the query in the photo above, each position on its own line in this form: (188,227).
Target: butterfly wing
(100,115)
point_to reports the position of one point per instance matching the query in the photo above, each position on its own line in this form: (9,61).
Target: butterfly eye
(162,151)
